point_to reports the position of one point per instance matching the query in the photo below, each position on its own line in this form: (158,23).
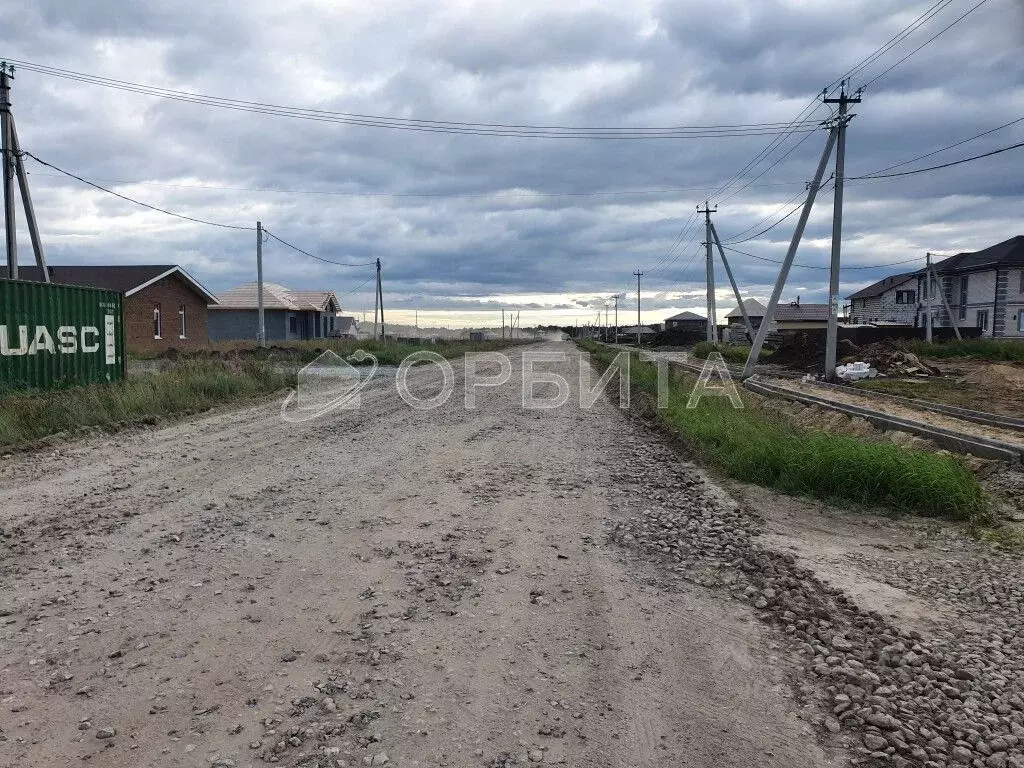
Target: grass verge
(756,446)
(190,387)
(731,353)
(983,349)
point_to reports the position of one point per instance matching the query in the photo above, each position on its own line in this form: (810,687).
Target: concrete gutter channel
(977,445)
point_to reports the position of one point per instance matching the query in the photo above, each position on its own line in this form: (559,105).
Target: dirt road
(385,586)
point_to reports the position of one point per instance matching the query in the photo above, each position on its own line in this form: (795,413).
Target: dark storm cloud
(639,64)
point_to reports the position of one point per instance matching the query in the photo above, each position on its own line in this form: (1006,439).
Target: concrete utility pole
(928,288)
(798,233)
(616,297)
(638,274)
(6,134)
(732,281)
(712,328)
(26,201)
(261,329)
(503,325)
(832,332)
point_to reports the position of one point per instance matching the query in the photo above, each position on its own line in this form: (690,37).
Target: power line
(349,293)
(943,149)
(314,256)
(926,42)
(133,200)
(429,126)
(902,35)
(818,266)
(444,195)
(823,188)
(944,165)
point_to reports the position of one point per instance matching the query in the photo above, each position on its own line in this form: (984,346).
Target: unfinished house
(892,300)
(288,315)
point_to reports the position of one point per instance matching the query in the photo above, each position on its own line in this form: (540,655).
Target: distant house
(891,300)
(800,317)
(630,330)
(288,315)
(345,327)
(687,321)
(755,311)
(985,289)
(164,306)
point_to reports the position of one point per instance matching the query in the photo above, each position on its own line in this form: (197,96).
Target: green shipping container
(59,335)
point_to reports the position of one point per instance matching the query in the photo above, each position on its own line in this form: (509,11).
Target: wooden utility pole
(638,274)
(261,324)
(616,297)
(832,332)
(798,233)
(380,302)
(712,328)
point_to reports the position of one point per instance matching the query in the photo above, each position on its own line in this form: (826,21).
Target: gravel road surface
(493,587)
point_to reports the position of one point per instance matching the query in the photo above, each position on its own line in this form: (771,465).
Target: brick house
(892,299)
(164,306)
(288,315)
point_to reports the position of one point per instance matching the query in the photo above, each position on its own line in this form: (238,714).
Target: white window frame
(158,322)
(982,313)
(1020,320)
(183,321)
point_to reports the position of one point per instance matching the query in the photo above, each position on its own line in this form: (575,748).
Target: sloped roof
(754,309)
(345,324)
(123,278)
(687,316)
(276,296)
(883,285)
(794,312)
(1009,253)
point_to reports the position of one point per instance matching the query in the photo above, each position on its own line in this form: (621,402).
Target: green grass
(188,388)
(996,350)
(757,446)
(731,353)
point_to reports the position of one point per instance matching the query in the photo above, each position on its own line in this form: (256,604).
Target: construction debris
(855,371)
(890,361)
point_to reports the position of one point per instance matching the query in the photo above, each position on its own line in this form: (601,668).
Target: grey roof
(754,309)
(1009,253)
(794,312)
(883,285)
(687,316)
(123,278)
(278,297)
(345,324)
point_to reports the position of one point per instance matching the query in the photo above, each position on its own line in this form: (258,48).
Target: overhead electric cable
(944,165)
(314,256)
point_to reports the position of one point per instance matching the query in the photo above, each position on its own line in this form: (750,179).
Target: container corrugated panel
(59,335)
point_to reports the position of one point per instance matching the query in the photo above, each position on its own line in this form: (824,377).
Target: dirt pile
(891,361)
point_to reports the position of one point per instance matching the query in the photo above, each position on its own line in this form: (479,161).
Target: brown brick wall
(170,293)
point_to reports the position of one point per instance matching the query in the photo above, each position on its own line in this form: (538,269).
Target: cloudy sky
(468,224)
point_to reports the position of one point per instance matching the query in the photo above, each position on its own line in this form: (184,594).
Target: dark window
(904,297)
(293,325)
(963,297)
(182,323)
(158,325)
(983,319)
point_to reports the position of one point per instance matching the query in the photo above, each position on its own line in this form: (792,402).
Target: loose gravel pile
(899,698)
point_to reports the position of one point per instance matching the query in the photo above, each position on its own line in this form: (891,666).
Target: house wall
(884,307)
(1013,303)
(800,325)
(170,293)
(243,324)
